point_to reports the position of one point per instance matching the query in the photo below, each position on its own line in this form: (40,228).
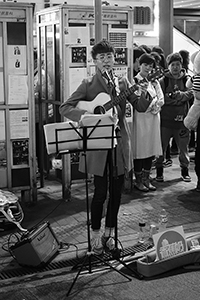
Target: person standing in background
(173,112)
(146,140)
(186,61)
(192,120)
(40,95)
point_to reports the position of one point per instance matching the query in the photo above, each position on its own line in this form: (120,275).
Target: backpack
(166,80)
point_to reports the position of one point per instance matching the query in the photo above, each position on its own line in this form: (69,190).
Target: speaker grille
(118,39)
(142,15)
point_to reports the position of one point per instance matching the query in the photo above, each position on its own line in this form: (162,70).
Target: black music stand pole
(113,174)
(90,253)
(116,251)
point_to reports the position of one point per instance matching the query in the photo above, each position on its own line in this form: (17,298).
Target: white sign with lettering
(170,242)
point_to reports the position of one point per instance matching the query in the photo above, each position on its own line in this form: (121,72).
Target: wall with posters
(17,142)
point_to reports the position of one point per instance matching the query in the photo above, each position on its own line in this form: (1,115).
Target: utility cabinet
(17,126)
(66,34)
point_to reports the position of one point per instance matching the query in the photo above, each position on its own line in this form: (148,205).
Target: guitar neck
(122,96)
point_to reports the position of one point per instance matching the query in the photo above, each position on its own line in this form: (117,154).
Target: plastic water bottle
(163,220)
(142,226)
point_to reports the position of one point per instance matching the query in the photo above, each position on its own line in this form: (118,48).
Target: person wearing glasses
(100,163)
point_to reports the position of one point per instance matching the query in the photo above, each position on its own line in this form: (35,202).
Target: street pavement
(68,220)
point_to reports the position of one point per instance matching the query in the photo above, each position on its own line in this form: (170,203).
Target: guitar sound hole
(99,110)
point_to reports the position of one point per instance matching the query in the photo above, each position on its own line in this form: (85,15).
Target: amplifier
(36,247)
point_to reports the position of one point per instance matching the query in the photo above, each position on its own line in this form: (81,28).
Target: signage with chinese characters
(86,15)
(12,13)
(170,243)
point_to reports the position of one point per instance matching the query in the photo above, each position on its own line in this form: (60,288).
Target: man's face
(175,68)
(104,61)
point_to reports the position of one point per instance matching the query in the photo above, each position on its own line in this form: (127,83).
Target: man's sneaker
(108,243)
(97,246)
(167,163)
(185,175)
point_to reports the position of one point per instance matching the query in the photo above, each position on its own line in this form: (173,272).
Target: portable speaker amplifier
(37,247)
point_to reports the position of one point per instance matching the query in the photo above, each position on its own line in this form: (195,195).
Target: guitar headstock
(155,74)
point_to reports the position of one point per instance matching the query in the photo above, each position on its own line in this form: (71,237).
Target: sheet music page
(102,127)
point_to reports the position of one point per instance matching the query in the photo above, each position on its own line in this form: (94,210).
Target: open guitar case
(148,266)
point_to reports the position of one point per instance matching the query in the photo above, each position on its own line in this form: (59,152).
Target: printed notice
(1,53)
(76,76)
(1,88)
(18,89)
(17,59)
(77,35)
(19,124)
(2,126)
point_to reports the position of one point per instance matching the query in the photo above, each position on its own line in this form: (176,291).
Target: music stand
(84,136)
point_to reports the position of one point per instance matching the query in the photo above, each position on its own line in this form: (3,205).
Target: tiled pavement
(68,218)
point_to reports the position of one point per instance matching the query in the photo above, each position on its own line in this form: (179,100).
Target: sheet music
(103,136)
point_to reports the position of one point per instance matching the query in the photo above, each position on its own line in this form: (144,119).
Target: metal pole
(98,20)
(166,20)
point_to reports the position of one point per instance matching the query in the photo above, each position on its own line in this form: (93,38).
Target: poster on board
(1,88)
(20,152)
(76,75)
(18,89)
(1,53)
(17,59)
(19,124)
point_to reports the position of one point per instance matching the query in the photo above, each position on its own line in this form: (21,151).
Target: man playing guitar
(100,163)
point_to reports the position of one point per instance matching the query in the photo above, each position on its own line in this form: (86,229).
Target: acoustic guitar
(103,104)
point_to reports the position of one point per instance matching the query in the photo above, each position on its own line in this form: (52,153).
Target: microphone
(108,77)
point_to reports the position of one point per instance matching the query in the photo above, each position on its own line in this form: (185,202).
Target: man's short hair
(103,46)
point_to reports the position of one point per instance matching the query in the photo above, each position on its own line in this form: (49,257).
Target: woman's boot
(139,182)
(159,174)
(146,180)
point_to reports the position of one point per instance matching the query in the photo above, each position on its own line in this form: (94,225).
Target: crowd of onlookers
(179,94)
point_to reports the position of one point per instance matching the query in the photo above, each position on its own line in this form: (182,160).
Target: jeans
(101,184)
(182,138)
